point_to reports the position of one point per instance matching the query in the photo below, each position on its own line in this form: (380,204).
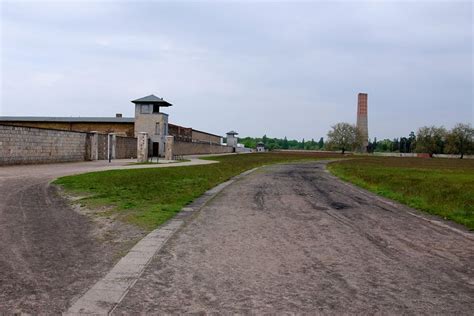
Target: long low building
(30,139)
(122,126)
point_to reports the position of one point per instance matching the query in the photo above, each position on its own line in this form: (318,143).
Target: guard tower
(149,119)
(232,139)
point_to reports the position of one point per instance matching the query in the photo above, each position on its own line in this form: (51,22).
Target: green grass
(443,187)
(149,197)
(155,163)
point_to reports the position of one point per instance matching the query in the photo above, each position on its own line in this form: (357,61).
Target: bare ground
(50,251)
(292,238)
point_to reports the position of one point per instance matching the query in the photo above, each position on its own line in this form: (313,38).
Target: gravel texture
(292,238)
(50,251)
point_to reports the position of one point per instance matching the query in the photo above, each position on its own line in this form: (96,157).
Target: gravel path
(49,253)
(292,238)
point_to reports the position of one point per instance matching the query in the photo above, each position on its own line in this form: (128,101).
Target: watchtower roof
(152,99)
(232,133)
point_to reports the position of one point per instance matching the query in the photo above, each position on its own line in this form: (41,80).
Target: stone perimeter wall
(125,147)
(26,145)
(196,148)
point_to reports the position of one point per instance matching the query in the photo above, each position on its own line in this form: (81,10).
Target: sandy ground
(50,252)
(292,238)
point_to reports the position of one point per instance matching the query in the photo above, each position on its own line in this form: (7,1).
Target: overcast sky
(277,68)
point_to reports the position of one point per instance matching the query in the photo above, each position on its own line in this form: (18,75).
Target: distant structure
(260,147)
(149,119)
(232,140)
(362,122)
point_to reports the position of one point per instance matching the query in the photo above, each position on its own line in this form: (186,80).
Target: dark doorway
(156,150)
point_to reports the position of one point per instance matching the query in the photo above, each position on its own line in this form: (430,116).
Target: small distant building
(232,140)
(260,147)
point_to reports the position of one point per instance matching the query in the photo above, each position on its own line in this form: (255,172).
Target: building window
(145,109)
(156,108)
(157,129)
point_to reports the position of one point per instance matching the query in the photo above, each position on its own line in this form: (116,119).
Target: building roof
(260,144)
(127,120)
(152,99)
(67,119)
(232,133)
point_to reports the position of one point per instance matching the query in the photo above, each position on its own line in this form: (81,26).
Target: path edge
(107,293)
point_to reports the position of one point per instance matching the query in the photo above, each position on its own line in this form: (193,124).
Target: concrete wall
(25,145)
(194,148)
(125,147)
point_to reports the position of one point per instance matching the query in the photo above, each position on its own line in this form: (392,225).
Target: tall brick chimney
(362,123)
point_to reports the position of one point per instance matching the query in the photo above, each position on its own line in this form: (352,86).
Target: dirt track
(49,252)
(291,238)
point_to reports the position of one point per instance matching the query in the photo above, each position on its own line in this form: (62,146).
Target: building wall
(123,129)
(195,148)
(125,147)
(180,133)
(25,145)
(205,137)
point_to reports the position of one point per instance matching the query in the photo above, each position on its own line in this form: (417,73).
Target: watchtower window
(145,109)
(156,108)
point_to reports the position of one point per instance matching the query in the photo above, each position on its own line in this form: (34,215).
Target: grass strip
(443,187)
(149,197)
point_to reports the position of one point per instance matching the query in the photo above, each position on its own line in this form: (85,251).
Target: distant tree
(264,139)
(285,143)
(403,144)
(344,136)
(383,145)
(372,145)
(321,143)
(302,144)
(395,145)
(430,139)
(460,140)
(311,145)
(412,140)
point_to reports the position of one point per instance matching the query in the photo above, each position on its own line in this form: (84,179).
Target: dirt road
(49,253)
(291,238)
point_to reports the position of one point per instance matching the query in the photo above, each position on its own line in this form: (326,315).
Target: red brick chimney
(362,122)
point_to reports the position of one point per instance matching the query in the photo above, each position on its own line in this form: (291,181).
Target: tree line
(346,137)
(429,139)
(282,143)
